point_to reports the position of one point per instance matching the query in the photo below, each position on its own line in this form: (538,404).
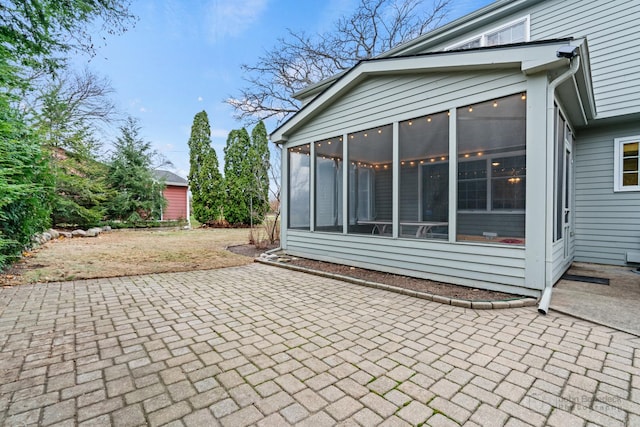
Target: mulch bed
(412,283)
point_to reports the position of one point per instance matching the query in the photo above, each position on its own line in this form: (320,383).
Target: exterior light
(470,109)
(523,96)
(480,154)
(410,123)
(379,130)
(429,119)
(495,104)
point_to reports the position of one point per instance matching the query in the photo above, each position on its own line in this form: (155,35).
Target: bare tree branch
(300,60)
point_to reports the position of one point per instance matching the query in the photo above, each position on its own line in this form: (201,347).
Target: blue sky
(183,57)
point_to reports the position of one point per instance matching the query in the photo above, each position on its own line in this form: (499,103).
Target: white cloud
(200,99)
(232,18)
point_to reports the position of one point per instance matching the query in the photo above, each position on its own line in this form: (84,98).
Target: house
(491,152)
(176,193)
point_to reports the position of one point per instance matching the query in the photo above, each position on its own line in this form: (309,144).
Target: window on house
(513,32)
(370,180)
(328,185)
(424,176)
(492,170)
(627,164)
(299,174)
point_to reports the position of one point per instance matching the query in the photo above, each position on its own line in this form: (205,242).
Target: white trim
(617,163)
(484,35)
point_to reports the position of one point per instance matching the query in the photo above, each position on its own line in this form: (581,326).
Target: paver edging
(475,305)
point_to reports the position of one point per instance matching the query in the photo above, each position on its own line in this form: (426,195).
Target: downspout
(188,210)
(545,300)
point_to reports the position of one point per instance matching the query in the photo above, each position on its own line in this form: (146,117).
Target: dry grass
(124,253)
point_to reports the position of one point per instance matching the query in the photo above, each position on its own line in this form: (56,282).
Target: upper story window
(513,32)
(626,164)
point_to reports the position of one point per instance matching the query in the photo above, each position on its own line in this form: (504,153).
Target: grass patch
(131,252)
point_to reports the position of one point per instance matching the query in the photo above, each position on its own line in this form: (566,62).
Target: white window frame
(483,36)
(489,181)
(617,163)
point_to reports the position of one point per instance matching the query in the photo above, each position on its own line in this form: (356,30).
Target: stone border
(476,305)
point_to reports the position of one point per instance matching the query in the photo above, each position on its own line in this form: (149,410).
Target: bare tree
(274,193)
(300,60)
(71,109)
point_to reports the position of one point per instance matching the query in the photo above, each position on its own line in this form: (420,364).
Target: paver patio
(267,346)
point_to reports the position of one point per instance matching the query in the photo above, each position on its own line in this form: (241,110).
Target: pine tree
(138,194)
(205,178)
(237,175)
(25,184)
(259,158)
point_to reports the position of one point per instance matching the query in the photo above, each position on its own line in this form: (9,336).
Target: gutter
(545,300)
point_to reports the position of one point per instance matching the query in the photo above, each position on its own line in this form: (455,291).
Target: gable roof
(170,178)
(530,58)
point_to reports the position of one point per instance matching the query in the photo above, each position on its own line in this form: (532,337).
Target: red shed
(177,195)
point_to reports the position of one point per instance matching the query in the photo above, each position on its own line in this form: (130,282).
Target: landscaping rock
(65,234)
(78,233)
(93,232)
(106,228)
(46,236)
(269,257)
(54,234)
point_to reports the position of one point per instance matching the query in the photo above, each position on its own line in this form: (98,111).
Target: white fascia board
(531,56)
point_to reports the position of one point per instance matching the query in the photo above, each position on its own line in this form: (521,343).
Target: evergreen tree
(34,36)
(237,176)
(25,184)
(70,111)
(259,158)
(138,194)
(205,179)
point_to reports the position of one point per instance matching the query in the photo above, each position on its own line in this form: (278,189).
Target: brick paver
(258,345)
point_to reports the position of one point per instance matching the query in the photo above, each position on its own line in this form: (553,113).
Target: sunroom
(442,166)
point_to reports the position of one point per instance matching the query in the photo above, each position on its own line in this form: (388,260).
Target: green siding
(381,100)
(483,266)
(607,224)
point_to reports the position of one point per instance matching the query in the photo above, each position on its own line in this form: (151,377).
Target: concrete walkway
(267,346)
(616,305)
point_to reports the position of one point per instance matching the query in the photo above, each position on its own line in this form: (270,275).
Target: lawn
(120,253)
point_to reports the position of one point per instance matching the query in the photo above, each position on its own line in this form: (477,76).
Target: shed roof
(170,178)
